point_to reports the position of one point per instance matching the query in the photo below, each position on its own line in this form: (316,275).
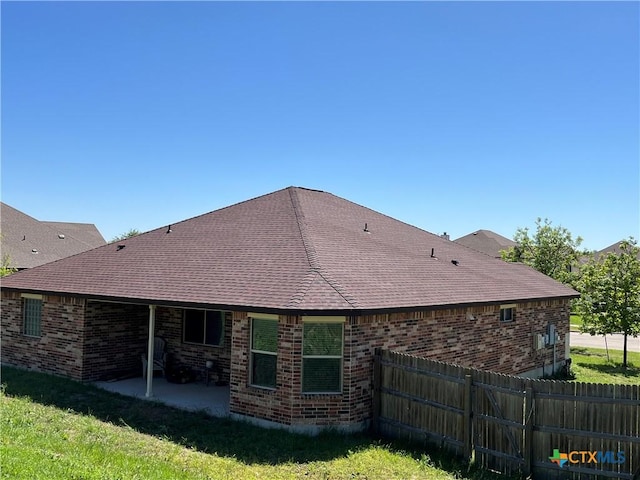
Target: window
(507,313)
(32,315)
(205,327)
(322,357)
(264,351)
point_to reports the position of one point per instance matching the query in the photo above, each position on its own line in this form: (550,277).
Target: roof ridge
(310,250)
(312,256)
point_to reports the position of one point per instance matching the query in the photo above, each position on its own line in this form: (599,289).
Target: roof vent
(169,229)
(24,237)
(34,251)
(366,228)
(433,253)
(61,236)
(120,247)
(455,262)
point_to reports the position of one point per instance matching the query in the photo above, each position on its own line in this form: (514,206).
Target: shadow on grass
(586,351)
(223,437)
(612,369)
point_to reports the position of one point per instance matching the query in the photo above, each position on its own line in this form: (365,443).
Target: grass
(591,365)
(53,428)
(575,322)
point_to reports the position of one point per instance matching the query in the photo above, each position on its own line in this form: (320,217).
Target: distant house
(29,242)
(288,294)
(487,242)
(613,248)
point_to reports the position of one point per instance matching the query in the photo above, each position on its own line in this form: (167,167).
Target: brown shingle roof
(293,249)
(86,233)
(29,242)
(487,242)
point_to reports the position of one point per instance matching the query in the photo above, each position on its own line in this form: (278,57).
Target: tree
(131,233)
(551,250)
(5,266)
(610,294)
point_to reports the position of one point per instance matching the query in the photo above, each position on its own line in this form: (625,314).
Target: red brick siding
(449,336)
(59,348)
(259,402)
(94,340)
(169,326)
(446,335)
(116,336)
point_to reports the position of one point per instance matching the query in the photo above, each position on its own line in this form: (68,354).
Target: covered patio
(213,400)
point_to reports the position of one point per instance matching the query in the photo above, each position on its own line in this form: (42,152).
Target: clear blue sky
(449,116)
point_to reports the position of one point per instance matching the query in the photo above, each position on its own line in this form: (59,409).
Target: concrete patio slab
(213,400)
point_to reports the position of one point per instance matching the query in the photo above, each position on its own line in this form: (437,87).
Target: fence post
(376,392)
(468,425)
(527,447)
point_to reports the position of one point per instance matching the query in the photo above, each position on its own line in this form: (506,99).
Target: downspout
(152,328)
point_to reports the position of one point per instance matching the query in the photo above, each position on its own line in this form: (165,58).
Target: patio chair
(159,357)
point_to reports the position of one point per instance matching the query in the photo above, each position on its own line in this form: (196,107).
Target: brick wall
(446,335)
(116,336)
(169,327)
(91,340)
(450,336)
(274,405)
(58,350)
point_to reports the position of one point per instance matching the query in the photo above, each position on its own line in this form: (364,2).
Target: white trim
(150,347)
(32,296)
(263,316)
(508,307)
(321,319)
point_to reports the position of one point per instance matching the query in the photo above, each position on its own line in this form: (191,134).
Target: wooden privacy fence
(510,424)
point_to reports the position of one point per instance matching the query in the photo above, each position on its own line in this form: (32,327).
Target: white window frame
(324,320)
(33,323)
(223,315)
(512,308)
(252,351)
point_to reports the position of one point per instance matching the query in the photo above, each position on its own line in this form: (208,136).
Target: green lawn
(591,365)
(575,322)
(52,428)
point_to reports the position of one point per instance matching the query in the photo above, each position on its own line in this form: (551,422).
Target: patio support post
(152,328)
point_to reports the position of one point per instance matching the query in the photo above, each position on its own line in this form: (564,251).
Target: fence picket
(507,423)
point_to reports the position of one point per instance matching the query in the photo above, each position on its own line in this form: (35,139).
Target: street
(614,341)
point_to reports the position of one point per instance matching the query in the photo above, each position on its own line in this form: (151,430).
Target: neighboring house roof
(614,248)
(295,250)
(487,242)
(29,242)
(87,233)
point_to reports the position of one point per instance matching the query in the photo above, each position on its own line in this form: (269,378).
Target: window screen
(322,357)
(32,316)
(204,326)
(264,348)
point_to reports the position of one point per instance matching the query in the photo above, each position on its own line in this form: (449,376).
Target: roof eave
(288,311)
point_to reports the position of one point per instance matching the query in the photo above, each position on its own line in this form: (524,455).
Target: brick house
(289,293)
